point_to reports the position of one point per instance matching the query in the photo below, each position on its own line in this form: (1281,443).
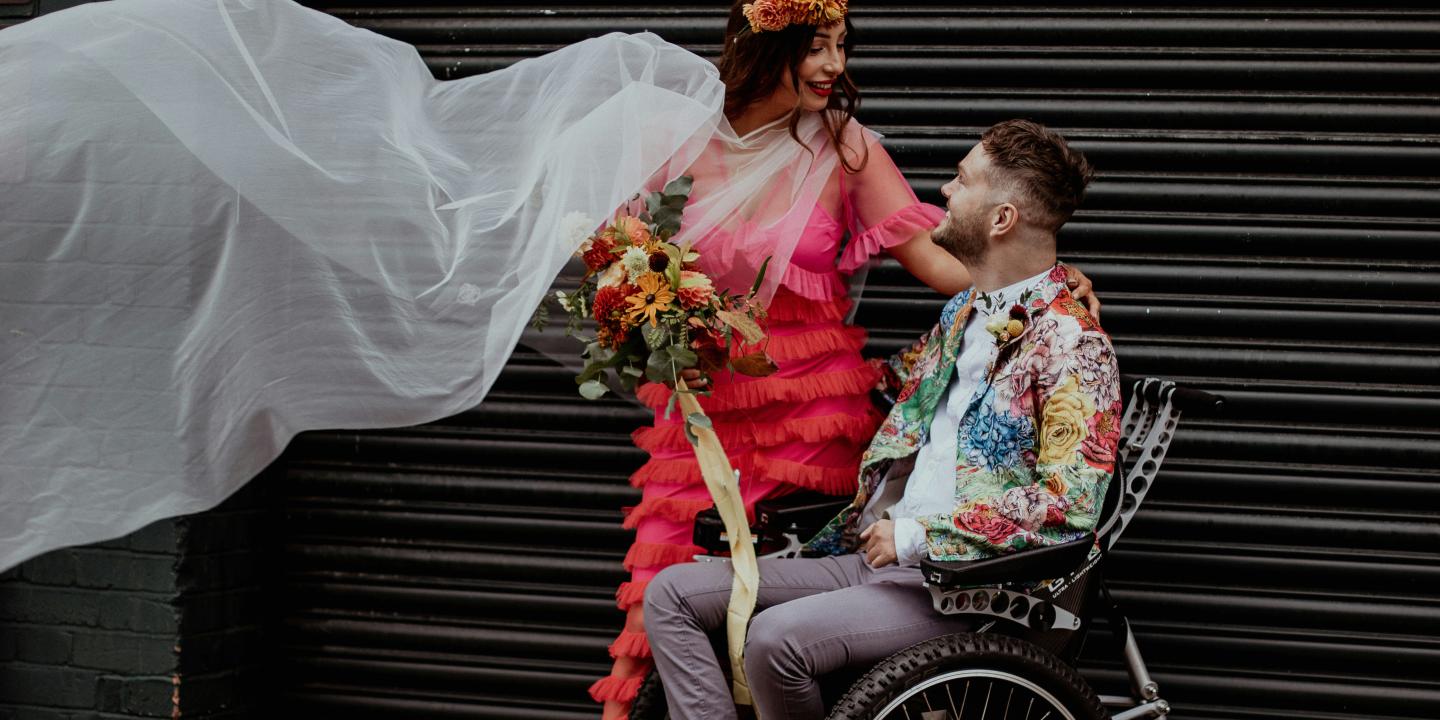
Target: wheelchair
(1032,609)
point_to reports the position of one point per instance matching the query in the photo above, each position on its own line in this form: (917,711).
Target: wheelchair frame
(1148,427)
(1029,589)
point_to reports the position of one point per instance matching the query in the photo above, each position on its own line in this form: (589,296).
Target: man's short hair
(1040,165)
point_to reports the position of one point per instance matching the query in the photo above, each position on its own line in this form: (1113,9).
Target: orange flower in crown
(772,15)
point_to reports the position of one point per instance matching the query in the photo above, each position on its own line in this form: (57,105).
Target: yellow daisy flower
(655,295)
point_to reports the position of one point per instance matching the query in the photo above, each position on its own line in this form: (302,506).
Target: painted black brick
(171,619)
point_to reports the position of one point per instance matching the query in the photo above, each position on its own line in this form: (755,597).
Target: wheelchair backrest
(1145,434)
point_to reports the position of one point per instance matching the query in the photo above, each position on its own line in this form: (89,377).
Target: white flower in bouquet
(636,262)
(576,227)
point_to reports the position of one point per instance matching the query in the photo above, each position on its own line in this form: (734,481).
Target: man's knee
(772,645)
(670,591)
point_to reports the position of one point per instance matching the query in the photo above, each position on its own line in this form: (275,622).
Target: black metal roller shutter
(1266,224)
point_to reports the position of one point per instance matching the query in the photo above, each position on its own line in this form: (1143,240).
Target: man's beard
(963,238)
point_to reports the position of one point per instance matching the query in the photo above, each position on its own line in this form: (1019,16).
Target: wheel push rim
(959,693)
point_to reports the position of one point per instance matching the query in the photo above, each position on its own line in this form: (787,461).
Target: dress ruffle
(630,644)
(616,689)
(897,229)
(814,343)
(681,510)
(660,555)
(828,480)
(813,285)
(787,307)
(630,594)
(773,389)
(854,428)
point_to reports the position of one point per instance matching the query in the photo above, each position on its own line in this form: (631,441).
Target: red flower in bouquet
(610,304)
(600,253)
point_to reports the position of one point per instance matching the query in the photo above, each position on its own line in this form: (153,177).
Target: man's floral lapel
(1026,310)
(937,378)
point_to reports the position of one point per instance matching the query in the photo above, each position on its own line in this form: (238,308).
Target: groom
(1002,438)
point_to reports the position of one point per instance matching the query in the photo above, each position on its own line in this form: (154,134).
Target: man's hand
(877,543)
(1082,289)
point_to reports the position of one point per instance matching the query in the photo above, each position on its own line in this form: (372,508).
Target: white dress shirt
(930,489)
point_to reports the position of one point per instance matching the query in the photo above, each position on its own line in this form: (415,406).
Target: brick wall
(167,622)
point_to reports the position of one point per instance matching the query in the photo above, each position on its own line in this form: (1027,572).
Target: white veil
(225,222)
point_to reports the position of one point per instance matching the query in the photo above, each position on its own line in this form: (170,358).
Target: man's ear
(1003,219)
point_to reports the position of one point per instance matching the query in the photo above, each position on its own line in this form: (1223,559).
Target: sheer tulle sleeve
(881,208)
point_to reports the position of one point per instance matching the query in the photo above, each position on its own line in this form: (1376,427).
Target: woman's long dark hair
(753,64)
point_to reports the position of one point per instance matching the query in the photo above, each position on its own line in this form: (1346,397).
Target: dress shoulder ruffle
(897,229)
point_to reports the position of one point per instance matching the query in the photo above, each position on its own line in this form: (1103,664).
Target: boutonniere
(1007,328)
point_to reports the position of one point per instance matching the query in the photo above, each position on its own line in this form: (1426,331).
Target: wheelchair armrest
(1024,566)
(803,513)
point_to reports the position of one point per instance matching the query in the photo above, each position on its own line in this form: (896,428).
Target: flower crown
(771,15)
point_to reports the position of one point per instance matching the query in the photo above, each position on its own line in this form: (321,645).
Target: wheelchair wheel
(971,677)
(649,703)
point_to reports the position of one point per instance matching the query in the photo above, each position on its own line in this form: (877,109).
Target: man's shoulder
(1067,318)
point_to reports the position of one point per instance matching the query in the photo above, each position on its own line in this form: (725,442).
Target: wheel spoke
(1018,690)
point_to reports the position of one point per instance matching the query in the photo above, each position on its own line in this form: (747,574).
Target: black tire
(649,703)
(922,674)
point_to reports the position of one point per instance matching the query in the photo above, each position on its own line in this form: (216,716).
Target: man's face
(964,232)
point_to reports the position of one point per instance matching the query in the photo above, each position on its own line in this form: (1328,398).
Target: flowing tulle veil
(223,223)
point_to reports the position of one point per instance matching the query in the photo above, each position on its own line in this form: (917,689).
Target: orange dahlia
(695,289)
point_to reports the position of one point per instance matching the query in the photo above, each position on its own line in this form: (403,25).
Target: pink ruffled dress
(802,428)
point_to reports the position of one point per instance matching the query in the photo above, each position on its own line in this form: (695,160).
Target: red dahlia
(600,254)
(609,303)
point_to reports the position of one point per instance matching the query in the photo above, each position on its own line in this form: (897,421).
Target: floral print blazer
(1037,441)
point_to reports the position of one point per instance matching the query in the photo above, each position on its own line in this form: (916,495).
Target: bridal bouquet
(655,312)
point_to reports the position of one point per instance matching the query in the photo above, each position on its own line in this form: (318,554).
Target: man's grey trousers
(815,616)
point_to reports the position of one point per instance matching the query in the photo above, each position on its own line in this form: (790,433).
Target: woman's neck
(760,113)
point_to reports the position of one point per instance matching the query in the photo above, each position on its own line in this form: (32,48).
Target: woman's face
(823,63)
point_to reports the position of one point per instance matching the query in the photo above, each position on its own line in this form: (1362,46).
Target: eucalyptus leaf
(680,185)
(591,372)
(683,356)
(658,367)
(628,382)
(593,390)
(632,371)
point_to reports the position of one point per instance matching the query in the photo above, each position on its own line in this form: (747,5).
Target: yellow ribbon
(723,483)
